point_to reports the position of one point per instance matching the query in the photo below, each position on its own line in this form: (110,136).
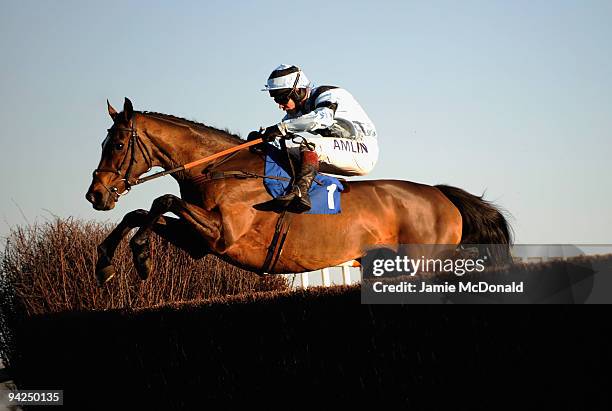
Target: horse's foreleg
(205,223)
(106,250)
(170,229)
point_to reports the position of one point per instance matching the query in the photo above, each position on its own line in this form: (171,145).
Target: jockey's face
(284,98)
(287,99)
(288,106)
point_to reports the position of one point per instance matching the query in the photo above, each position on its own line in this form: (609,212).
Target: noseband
(134,142)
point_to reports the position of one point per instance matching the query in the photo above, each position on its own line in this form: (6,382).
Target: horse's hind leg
(205,225)
(171,229)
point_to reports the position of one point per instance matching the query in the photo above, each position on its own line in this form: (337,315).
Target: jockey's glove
(270,133)
(253,135)
(257,148)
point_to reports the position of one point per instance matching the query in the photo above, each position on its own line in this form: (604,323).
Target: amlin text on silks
(352,146)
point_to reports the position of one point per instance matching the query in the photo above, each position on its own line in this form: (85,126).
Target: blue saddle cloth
(325,197)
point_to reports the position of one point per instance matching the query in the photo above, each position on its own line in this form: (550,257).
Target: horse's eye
(119,146)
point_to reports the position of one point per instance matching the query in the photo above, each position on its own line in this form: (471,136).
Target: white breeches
(344,156)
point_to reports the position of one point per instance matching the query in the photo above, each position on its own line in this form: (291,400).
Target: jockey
(345,138)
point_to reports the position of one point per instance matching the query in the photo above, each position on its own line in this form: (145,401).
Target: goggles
(284,97)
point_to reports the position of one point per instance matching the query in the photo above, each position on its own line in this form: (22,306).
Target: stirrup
(300,205)
(290,196)
(282,202)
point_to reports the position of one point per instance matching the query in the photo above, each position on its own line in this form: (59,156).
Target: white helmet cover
(287,80)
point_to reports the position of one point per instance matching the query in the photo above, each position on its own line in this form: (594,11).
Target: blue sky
(511,97)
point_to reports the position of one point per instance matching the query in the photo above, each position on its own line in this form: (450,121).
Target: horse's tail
(483,222)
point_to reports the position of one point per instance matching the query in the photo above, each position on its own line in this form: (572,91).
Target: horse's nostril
(94,197)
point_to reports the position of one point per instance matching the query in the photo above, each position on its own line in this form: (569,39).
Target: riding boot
(298,198)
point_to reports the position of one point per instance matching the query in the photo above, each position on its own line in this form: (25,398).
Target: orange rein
(200,161)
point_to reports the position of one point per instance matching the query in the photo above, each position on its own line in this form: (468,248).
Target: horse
(221,217)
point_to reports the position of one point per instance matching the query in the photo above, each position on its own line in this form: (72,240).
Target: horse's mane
(194,124)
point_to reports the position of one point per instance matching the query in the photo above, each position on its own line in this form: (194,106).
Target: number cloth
(325,196)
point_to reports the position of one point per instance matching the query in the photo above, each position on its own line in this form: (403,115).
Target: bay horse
(219,217)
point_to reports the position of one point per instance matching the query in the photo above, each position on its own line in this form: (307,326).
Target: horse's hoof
(104,274)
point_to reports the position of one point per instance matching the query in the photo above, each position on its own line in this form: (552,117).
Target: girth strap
(280,233)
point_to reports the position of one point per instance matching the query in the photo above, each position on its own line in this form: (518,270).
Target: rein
(200,161)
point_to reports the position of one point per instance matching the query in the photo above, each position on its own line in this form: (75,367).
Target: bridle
(134,142)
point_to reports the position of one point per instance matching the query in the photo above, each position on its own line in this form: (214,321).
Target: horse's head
(124,158)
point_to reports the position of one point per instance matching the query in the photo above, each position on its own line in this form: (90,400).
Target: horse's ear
(111,111)
(128,109)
